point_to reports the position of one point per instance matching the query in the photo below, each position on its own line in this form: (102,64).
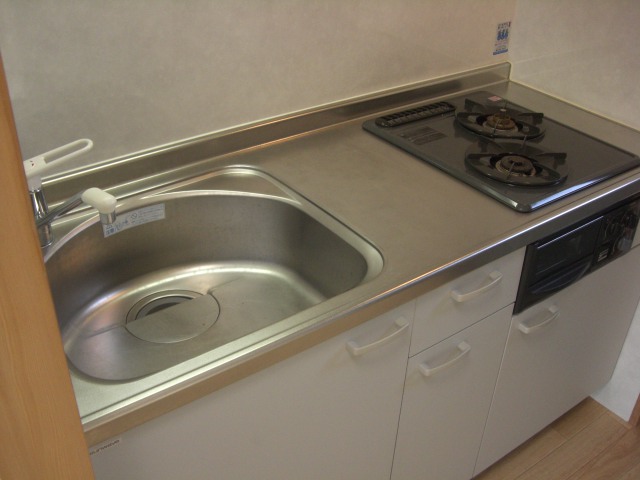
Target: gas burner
(517,164)
(500,121)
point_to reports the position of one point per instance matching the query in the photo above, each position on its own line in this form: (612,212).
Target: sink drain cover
(174,316)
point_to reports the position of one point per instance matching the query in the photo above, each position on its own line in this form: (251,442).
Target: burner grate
(517,164)
(500,121)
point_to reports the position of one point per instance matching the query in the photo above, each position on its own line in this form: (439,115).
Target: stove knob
(613,228)
(630,220)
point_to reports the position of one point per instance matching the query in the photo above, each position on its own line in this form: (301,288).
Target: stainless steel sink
(219,258)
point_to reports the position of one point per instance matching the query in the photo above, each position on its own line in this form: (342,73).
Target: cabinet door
(324,413)
(559,352)
(446,400)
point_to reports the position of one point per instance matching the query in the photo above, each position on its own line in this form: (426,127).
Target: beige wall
(583,51)
(137,74)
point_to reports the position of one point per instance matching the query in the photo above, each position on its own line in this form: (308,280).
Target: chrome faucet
(35,167)
(99,199)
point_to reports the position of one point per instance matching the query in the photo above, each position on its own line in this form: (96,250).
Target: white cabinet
(446,400)
(458,339)
(560,351)
(322,414)
(333,411)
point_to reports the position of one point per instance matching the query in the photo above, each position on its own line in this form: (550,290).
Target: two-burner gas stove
(515,155)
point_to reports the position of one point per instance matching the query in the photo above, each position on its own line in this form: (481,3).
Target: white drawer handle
(401,325)
(494,279)
(463,348)
(552,314)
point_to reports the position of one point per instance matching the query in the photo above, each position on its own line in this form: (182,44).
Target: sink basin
(193,267)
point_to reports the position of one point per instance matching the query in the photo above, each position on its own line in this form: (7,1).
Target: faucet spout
(102,201)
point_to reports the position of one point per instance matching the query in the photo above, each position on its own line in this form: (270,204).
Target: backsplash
(135,75)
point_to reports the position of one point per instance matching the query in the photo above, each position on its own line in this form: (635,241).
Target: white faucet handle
(102,201)
(36,167)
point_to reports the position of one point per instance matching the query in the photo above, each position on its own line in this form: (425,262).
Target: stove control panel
(562,259)
(617,233)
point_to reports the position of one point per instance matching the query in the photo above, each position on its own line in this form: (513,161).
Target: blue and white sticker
(134,218)
(502,38)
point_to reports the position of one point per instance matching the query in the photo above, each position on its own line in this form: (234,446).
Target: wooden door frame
(40,426)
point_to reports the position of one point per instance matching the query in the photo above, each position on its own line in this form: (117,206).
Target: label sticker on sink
(134,218)
(114,442)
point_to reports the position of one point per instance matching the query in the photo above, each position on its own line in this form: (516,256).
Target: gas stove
(518,156)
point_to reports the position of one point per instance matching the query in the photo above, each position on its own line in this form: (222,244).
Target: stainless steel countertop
(429,227)
(420,218)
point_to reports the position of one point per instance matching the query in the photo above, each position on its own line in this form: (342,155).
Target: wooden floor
(587,443)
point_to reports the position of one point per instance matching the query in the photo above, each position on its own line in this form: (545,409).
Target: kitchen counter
(428,226)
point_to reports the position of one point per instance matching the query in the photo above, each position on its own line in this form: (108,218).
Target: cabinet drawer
(462,302)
